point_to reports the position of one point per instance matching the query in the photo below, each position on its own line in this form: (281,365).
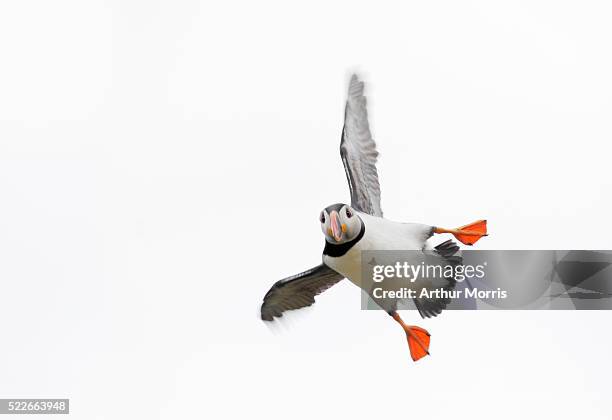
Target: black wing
(297,291)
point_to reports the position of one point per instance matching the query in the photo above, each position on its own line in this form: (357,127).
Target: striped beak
(335,226)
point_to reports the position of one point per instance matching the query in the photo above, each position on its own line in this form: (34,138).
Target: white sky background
(163,163)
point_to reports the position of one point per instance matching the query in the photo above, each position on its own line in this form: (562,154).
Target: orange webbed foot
(468,234)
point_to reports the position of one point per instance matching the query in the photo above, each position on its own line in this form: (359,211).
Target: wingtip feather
(355,86)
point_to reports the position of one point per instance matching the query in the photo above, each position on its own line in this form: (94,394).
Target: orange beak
(335,226)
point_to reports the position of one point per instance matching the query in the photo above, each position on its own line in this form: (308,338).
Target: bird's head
(339,223)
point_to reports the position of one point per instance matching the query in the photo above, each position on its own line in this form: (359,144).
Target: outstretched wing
(297,291)
(358,152)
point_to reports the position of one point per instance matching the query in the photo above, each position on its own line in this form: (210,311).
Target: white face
(339,223)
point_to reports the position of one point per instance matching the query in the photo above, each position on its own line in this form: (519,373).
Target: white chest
(380,234)
(349,264)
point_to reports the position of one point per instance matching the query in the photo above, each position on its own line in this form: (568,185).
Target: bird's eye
(322,217)
(349,213)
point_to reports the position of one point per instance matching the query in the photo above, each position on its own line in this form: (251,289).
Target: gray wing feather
(297,291)
(359,154)
(449,253)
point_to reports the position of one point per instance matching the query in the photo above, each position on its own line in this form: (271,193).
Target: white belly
(380,235)
(349,265)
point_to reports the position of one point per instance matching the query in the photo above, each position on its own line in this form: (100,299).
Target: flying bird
(360,226)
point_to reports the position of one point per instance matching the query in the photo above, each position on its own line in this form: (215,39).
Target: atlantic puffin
(360,226)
